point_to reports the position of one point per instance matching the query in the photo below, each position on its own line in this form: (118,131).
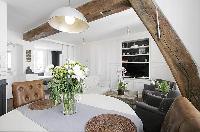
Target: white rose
(78,72)
(51,66)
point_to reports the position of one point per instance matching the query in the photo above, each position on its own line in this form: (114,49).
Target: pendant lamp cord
(69,2)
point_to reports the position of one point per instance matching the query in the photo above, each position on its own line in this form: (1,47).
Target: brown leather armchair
(182,117)
(27,92)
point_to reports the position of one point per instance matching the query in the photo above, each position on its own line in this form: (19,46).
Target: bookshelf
(135,58)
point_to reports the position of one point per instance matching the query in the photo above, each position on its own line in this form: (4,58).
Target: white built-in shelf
(136,77)
(127,76)
(142,77)
(125,48)
(135,55)
(135,47)
(136,62)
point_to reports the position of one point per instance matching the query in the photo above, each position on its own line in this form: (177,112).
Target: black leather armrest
(148,108)
(151,117)
(153,100)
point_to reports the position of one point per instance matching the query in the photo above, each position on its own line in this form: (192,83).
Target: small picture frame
(28,55)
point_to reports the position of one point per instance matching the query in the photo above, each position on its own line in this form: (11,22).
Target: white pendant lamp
(67,19)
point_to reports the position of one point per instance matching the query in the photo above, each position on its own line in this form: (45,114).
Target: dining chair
(27,92)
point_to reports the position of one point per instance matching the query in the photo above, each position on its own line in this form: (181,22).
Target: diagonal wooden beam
(172,48)
(93,10)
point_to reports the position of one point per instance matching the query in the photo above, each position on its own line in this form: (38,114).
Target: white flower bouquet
(68,80)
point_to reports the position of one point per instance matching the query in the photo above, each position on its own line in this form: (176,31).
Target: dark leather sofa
(155,106)
(153,110)
(153,88)
(182,116)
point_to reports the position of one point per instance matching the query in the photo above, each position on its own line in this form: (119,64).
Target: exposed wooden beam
(41,31)
(93,10)
(97,9)
(172,48)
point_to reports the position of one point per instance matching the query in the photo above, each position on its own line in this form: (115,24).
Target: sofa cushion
(153,100)
(149,87)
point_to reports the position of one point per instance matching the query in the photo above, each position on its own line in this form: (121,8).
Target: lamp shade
(67,19)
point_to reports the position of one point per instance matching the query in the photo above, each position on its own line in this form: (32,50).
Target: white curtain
(42,59)
(68,52)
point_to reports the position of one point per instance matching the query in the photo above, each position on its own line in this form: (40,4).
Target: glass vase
(69,104)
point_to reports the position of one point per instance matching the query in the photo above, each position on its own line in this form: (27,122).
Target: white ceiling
(24,15)
(111,26)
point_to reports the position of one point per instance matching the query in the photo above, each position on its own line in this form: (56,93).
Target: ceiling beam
(179,60)
(93,10)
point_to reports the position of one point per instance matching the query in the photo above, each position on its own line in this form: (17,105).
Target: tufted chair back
(27,92)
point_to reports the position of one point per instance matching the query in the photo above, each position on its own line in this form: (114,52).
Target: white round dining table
(88,106)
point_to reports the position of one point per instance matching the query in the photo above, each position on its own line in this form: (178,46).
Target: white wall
(16,74)
(3,39)
(15,46)
(104,58)
(18,49)
(185,19)
(68,50)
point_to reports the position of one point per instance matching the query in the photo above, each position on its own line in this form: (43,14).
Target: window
(39,61)
(9,60)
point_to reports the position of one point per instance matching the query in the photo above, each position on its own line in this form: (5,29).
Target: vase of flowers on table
(68,80)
